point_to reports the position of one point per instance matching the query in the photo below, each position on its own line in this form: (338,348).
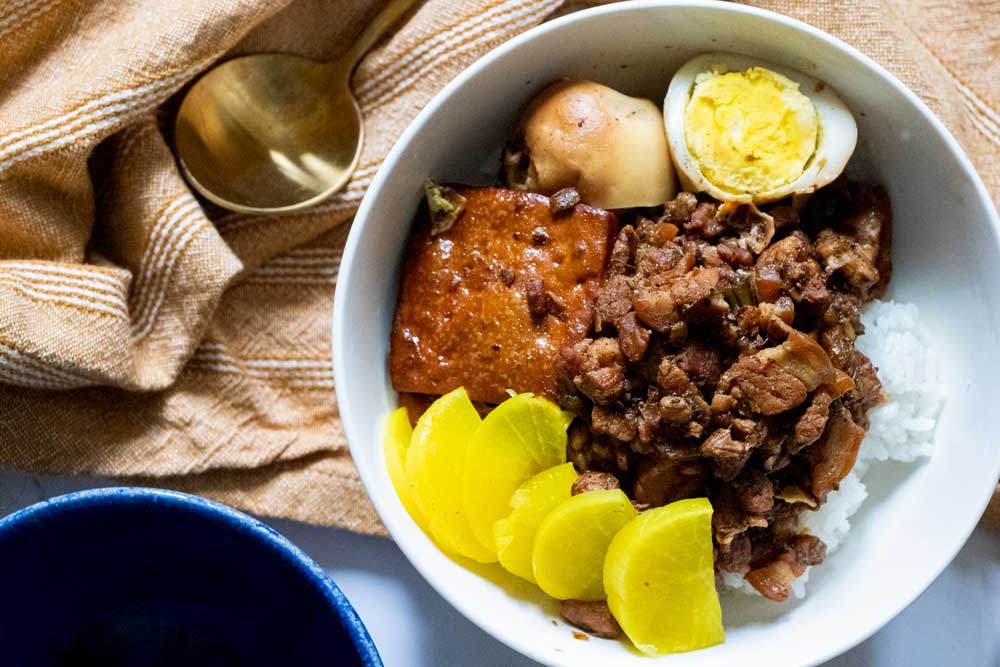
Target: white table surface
(955,623)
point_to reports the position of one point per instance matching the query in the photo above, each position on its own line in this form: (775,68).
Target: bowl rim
(60,507)
(392,519)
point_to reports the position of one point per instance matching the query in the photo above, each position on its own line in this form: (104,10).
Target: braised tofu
(489,303)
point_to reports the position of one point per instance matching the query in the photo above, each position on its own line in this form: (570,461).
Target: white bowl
(947,260)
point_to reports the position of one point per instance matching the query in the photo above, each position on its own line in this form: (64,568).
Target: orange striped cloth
(147,336)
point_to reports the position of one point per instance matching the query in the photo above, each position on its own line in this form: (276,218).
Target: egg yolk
(750,132)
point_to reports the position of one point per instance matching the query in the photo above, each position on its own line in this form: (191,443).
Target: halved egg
(611,147)
(745,130)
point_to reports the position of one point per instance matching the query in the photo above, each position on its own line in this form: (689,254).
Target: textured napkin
(147,336)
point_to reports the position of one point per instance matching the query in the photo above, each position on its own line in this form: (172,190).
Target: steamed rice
(901,429)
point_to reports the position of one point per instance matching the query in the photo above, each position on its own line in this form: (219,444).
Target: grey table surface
(956,622)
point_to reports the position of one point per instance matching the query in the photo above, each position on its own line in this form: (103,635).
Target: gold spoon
(276,132)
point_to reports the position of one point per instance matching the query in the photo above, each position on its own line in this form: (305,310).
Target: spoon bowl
(276,132)
(269,132)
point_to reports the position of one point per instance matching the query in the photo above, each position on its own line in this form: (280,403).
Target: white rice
(901,429)
(902,350)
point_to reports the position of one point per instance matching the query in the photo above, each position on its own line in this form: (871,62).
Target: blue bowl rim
(222,514)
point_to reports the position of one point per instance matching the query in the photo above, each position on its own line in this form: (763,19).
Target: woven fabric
(148,336)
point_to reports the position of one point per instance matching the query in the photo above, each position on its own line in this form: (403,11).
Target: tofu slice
(489,303)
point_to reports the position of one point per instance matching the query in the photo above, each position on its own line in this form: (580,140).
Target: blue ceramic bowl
(126,576)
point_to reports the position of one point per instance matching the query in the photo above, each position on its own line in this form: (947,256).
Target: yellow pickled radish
(530,504)
(397,440)
(521,437)
(568,556)
(435,466)
(660,579)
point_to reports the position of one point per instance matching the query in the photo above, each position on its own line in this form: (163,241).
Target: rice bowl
(934,505)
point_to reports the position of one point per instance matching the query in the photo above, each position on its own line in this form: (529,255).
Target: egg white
(838,131)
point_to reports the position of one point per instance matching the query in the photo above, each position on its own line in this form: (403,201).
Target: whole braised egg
(744,130)
(609,146)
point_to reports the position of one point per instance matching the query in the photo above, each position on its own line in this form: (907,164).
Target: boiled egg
(745,130)
(611,147)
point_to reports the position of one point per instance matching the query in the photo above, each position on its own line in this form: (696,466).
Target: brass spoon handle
(385,19)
